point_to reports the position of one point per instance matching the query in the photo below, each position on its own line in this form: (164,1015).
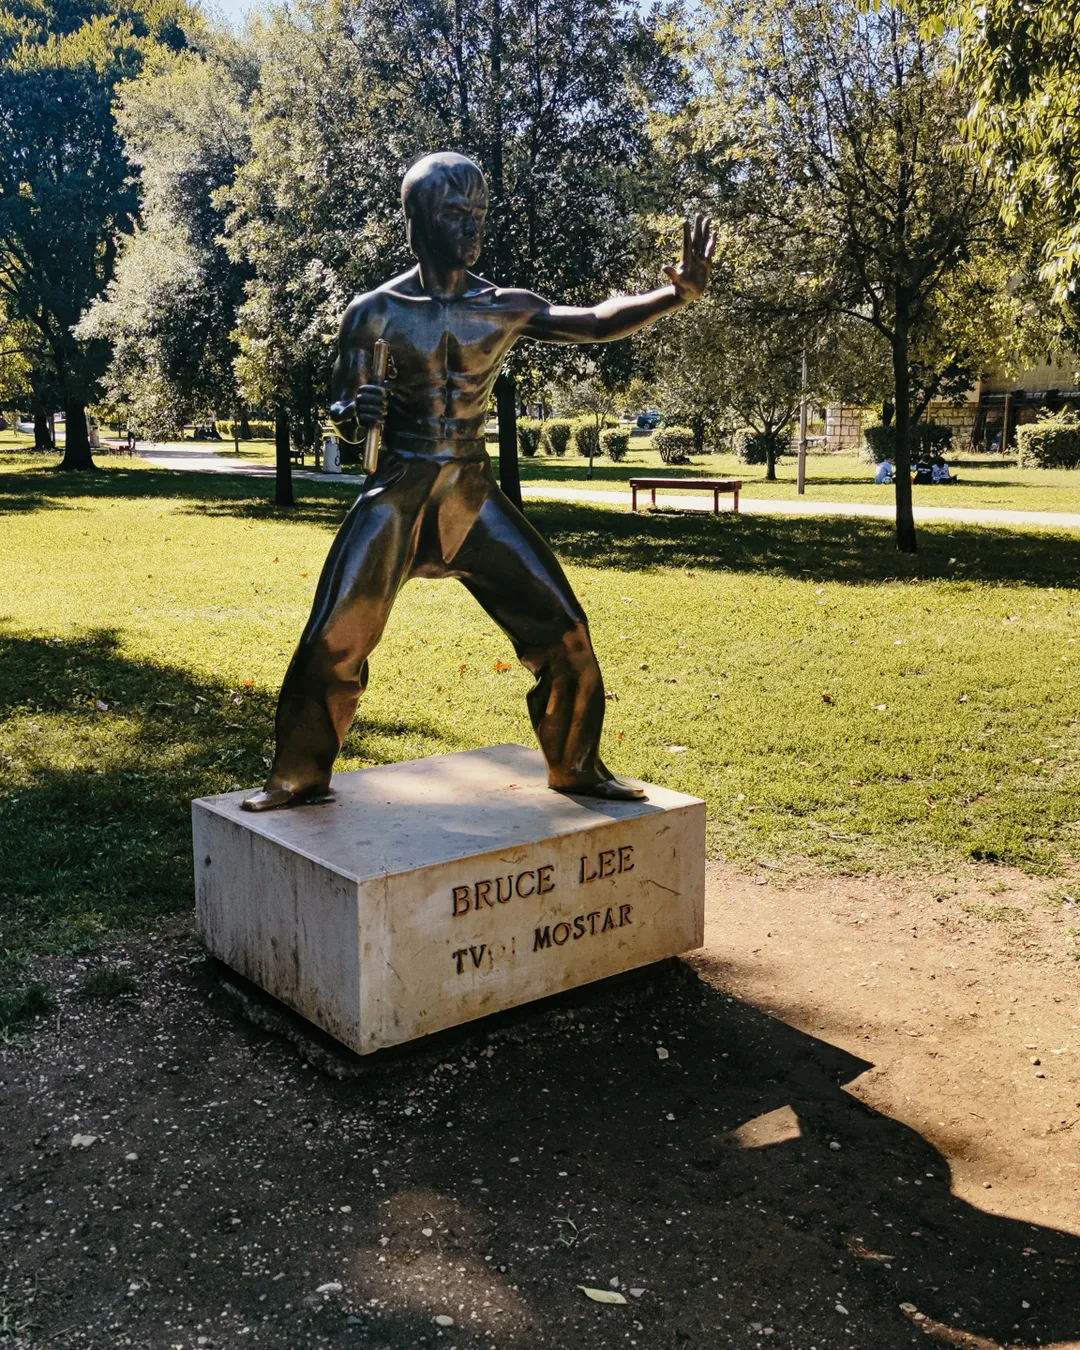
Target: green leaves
(1020,64)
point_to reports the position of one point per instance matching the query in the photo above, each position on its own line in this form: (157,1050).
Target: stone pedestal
(440,890)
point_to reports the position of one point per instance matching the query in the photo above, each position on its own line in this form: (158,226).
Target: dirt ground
(863,1132)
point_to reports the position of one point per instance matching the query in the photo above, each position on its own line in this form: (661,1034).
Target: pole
(803,410)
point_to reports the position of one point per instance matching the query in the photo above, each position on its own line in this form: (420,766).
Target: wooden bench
(715,485)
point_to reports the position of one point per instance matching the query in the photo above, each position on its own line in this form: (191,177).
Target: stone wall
(959,416)
(844,426)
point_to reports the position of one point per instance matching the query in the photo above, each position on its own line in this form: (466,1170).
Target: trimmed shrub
(586,437)
(616,442)
(926,438)
(529,431)
(260,431)
(1053,443)
(752,447)
(557,433)
(674,443)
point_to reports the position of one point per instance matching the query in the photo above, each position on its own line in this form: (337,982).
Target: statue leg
(366,566)
(517,579)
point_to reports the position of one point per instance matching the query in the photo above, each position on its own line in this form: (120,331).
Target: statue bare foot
(607,789)
(273,799)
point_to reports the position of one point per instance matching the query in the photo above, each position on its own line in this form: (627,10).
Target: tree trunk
(236,431)
(43,432)
(770,456)
(76,439)
(697,425)
(283,487)
(905,518)
(506,407)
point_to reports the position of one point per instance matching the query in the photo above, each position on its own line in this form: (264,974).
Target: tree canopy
(66,192)
(831,130)
(1020,65)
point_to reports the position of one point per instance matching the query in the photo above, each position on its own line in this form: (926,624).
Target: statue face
(455,229)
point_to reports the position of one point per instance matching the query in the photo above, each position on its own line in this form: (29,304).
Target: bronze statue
(432,507)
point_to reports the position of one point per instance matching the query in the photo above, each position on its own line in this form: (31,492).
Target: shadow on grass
(827,548)
(223,494)
(841,548)
(95,829)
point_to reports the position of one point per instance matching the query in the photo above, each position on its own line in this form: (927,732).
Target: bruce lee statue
(432,507)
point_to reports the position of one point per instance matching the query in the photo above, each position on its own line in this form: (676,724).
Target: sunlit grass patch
(837,705)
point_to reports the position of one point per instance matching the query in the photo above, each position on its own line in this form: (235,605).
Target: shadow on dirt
(488,1175)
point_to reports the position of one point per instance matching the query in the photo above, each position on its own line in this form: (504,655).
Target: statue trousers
(439,515)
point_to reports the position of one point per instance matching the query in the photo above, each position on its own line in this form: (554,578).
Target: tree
(837,129)
(597,390)
(66,191)
(1020,66)
(553,101)
(171,310)
(313,210)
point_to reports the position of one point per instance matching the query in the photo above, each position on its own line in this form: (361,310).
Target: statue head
(445,200)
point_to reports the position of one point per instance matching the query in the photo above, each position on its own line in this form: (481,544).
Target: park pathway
(804,506)
(206,461)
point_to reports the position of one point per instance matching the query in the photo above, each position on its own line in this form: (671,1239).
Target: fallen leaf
(880,707)
(249,684)
(602,1295)
(826,698)
(676,749)
(620,735)
(303,574)
(275,560)
(964,698)
(101,705)
(462,668)
(501,665)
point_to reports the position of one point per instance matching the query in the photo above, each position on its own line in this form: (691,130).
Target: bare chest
(432,341)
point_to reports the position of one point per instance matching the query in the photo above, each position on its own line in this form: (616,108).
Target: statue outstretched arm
(613,319)
(355,405)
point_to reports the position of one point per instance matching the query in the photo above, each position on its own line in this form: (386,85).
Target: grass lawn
(985,481)
(837,705)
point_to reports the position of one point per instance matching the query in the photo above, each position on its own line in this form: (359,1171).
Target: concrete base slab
(437,891)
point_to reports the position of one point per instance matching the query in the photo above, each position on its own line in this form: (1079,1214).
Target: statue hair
(425,184)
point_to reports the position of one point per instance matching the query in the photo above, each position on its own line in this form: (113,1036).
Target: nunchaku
(379,359)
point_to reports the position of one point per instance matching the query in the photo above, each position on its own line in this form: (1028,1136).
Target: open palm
(691,276)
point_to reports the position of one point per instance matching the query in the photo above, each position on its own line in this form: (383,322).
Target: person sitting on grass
(886,471)
(924,472)
(940,471)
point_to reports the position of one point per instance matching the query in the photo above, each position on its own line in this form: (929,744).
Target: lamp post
(803,411)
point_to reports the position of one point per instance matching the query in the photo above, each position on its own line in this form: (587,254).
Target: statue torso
(446,354)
